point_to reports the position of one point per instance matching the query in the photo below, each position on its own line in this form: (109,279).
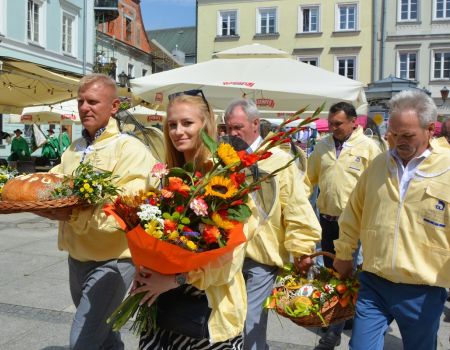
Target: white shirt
(256,144)
(406,173)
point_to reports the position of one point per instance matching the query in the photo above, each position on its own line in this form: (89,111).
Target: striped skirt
(162,339)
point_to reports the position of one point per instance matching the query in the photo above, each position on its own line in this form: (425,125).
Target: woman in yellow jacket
(400,210)
(220,284)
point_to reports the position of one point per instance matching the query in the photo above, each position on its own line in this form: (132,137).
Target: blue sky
(158,14)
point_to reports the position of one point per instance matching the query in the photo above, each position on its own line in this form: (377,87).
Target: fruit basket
(318,299)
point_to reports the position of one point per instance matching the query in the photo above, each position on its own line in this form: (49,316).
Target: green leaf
(239,212)
(177,172)
(209,142)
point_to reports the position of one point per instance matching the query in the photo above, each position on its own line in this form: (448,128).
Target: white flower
(150,212)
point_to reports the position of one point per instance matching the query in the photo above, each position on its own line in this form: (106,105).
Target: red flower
(265,155)
(237,178)
(169,225)
(238,202)
(211,234)
(179,209)
(247,159)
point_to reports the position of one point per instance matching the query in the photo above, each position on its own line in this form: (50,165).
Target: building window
(407,10)
(227,23)
(67,30)
(407,65)
(34,21)
(441,9)
(346,66)
(309,19)
(347,17)
(130,70)
(267,21)
(127,29)
(313,61)
(441,65)
(144,72)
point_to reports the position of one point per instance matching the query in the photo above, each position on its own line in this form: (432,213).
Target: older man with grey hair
(291,227)
(400,210)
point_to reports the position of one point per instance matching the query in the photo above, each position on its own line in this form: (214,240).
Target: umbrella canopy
(60,113)
(146,115)
(275,84)
(24,84)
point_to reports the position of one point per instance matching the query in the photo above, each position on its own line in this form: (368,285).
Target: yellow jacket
(337,177)
(224,286)
(404,241)
(90,235)
(292,226)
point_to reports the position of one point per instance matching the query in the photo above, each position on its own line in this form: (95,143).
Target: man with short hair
(400,211)
(291,228)
(335,166)
(19,147)
(100,266)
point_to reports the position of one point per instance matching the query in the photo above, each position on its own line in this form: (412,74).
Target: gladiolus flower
(237,178)
(247,159)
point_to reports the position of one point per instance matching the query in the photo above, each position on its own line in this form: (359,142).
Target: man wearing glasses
(335,165)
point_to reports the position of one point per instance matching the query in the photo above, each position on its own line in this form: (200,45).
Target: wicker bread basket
(332,311)
(9,207)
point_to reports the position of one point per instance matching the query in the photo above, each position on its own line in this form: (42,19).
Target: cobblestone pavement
(36,309)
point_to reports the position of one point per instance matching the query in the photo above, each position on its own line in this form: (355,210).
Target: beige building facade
(414,44)
(334,35)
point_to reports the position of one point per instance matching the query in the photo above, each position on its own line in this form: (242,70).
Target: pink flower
(159,170)
(199,206)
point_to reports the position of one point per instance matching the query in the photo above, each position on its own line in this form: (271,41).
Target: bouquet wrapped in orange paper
(193,218)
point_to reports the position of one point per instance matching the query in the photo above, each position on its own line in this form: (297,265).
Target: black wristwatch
(180,279)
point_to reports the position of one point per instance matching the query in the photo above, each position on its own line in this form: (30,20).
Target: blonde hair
(103,79)
(175,158)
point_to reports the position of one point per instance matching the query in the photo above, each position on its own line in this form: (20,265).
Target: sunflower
(222,222)
(227,154)
(220,186)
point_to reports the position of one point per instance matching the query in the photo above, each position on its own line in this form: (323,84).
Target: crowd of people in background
(382,207)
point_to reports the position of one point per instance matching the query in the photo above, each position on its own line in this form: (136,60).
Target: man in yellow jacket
(400,210)
(291,227)
(335,165)
(100,267)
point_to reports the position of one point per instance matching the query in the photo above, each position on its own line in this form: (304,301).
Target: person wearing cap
(335,166)
(19,147)
(50,149)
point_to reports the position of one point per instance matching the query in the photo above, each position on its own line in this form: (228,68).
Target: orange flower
(177,185)
(247,158)
(211,234)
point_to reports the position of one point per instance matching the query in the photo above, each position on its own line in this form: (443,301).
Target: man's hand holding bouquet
(193,219)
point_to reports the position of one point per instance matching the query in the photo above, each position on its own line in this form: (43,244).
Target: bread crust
(31,187)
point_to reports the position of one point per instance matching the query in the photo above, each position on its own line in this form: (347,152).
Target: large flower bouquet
(317,299)
(194,218)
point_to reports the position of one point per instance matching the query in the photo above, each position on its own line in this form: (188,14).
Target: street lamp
(444,94)
(123,79)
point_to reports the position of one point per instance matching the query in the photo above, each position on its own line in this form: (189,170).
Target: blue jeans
(97,289)
(416,308)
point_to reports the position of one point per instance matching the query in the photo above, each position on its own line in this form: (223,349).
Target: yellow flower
(86,186)
(227,154)
(221,222)
(191,245)
(220,186)
(81,189)
(152,228)
(173,235)
(86,195)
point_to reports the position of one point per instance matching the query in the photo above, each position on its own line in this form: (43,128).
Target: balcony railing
(106,10)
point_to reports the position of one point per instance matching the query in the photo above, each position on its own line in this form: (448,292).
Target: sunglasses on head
(195,92)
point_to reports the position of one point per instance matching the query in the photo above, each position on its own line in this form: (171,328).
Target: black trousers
(330,232)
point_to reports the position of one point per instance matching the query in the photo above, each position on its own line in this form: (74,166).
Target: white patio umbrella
(147,116)
(59,113)
(276,84)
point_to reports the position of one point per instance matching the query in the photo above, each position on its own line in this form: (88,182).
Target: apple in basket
(31,187)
